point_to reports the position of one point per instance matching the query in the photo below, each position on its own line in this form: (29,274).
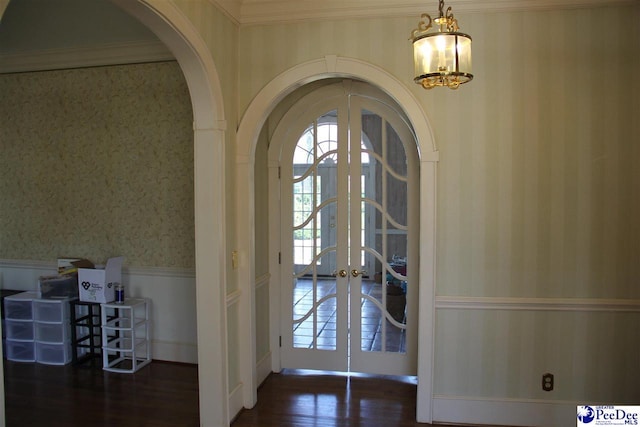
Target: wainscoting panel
(262,326)
(508,412)
(491,354)
(172,292)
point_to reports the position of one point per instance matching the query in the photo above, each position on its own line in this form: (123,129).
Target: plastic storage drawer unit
(56,333)
(20,351)
(19,306)
(53,354)
(125,335)
(51,310)
(19,330)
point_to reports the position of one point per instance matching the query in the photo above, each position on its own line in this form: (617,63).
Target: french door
(348,185)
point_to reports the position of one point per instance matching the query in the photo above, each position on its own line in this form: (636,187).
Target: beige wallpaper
(537,181)
(97,162)
(538,188)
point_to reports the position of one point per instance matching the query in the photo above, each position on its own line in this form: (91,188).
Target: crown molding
(253,12)
(80,57)
(231,8)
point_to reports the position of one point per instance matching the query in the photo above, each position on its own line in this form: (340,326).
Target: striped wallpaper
(537,190)
(536,181)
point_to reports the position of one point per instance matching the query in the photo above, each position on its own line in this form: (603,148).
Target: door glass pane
(384,208)
(314,314)
(314,235)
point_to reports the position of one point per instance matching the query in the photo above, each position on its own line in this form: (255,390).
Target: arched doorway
(249,132)
(174,29)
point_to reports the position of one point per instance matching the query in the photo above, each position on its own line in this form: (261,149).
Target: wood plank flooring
(159,395)
(166,395)
(296,398)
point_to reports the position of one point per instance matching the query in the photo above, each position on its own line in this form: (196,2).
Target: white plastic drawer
(19,330)
(19,306)
(51,310)
(20,351)
(53,354)
(55,333)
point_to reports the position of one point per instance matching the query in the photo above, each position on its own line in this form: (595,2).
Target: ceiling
(46,34)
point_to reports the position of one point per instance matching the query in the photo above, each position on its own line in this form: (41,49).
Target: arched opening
(178,34)
(256,364)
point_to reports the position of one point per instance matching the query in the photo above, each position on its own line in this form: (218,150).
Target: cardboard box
(97,285)
(69,265)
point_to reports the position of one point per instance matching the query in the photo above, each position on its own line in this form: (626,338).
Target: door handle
(341,273)
(356,273)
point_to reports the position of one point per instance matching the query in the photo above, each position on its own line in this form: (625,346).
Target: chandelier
(441,58)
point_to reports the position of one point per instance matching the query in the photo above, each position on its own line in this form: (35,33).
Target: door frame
(250,127)
(347,99)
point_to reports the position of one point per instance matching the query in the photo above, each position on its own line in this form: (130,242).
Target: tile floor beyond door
(375,328)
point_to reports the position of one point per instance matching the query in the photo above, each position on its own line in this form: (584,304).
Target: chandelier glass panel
(442,57)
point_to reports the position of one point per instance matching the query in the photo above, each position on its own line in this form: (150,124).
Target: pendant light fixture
(443,57)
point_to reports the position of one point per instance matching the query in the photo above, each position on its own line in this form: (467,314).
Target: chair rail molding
(536,304)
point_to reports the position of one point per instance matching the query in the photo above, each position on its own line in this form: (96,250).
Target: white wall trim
(79,57)
(536,304)
(508,412)
(235,401)
(284,11)
(263,368)
(181,352)
(48,267)
(251,12)
(33,265)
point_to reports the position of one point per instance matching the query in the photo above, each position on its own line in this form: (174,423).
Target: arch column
(210,278)
(245,234)
(426,293)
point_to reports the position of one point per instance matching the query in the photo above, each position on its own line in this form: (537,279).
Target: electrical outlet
(547,382)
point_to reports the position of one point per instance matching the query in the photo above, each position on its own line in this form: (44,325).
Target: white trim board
(253,12)
(508,412)
(48,267)
(537,304)
(80,57)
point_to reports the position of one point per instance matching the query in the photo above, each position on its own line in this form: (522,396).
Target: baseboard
(263,368)
(235,402)
(507,412)
(174,351)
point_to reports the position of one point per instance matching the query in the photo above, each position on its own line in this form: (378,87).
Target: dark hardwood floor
(297,398)
(159,395)
(166,394)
